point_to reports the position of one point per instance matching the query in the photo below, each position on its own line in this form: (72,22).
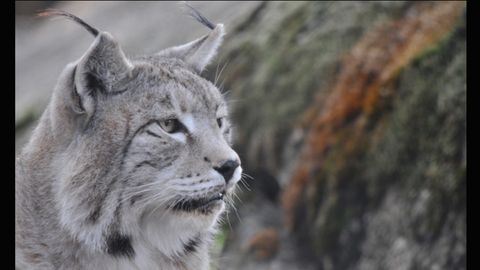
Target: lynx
(131,164)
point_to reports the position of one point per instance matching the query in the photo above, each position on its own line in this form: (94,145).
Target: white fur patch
(188,122)
(237,175)
(179,136)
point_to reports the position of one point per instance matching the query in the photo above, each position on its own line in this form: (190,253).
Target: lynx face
(139,152)
(175,159)
(179,158)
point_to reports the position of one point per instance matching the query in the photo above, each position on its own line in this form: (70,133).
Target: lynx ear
(98,70)
(198,53)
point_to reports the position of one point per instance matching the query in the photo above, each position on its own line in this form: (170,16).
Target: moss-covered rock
(278,60)
(357,112)
(387,190)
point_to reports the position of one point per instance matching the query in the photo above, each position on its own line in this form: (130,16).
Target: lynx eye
(171,125)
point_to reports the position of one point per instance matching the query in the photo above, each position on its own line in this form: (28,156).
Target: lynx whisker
(247,175)
(220,74)
(235,209)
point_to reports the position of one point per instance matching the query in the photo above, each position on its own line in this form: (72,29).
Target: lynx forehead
(131,163)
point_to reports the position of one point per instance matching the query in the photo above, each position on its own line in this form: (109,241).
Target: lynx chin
(130,164)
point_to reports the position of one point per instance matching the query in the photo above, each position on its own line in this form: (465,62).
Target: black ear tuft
(56,12)
(199,17)
(198,53)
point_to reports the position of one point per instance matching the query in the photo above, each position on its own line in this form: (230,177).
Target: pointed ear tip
(219,28)
(106,35)
(105,38)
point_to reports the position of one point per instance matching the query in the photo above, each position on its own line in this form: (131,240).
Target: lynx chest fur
(131,162)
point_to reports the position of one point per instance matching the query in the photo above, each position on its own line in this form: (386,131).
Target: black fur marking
(127,146)
(94,84)
(203,205)
(116,213)
(145,163)
(135,198)
(93,217)
(120,245)
(192,245)
(95,214)
(154,134)
(148,153)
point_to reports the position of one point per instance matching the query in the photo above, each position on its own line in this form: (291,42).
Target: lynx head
(142,146)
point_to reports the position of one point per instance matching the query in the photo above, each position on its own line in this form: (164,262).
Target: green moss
(217,245)
(273,79)
(414,139)
(440,44)
(219,241)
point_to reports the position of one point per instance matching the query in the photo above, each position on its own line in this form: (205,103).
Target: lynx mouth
(204,205)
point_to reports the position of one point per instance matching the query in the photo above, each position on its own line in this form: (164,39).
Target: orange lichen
(264,244)
(293,191)
(371,65)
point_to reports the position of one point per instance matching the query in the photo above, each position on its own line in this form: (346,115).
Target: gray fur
(96,183)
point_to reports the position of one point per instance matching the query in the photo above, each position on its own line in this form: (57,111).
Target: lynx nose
(227,169)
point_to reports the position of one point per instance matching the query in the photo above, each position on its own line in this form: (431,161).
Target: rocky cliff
(352,123)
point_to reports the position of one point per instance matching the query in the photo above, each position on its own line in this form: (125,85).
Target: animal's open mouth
(204,205)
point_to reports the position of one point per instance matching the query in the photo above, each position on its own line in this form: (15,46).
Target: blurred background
(350,119)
